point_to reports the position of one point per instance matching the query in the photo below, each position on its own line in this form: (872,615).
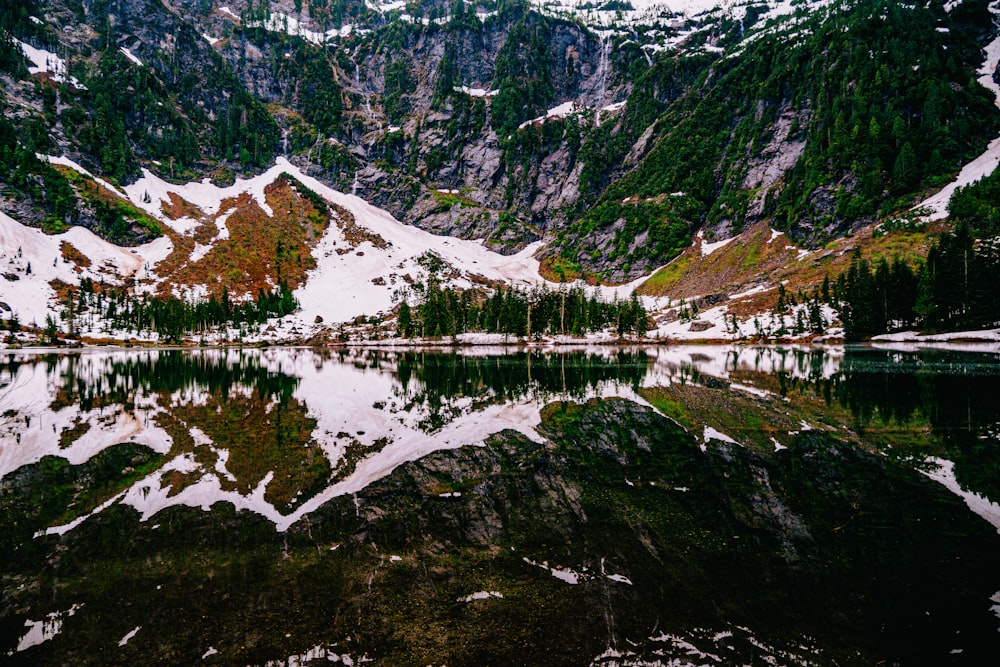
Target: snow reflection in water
(279,432)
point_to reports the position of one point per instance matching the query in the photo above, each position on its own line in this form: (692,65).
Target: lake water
(661,506)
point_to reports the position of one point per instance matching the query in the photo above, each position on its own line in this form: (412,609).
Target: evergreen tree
(906,170)
(404,327)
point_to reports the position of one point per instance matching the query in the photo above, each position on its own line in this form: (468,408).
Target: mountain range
(348,154)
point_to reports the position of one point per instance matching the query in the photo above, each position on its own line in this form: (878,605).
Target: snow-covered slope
(30,261)
(351,278)
(367,279)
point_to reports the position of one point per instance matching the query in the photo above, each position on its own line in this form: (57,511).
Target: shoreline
(984,341)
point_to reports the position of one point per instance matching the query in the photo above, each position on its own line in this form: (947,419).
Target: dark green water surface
(662,506)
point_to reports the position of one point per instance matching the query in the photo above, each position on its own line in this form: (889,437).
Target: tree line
(443,311)
(170,317)
(951,291)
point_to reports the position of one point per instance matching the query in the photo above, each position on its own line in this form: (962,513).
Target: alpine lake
(688,505)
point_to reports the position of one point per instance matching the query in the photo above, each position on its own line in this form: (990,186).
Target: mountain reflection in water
(604,506)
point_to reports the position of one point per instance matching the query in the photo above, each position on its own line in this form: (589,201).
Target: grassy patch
(71,435)
(559,269)
(446,200)
(751,258)
(659,398)
(666,278)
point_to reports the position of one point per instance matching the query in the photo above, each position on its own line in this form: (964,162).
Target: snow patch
(560,111)
(562,574)
(384,7)
(708,248)
(283,23)
(199,252)
(43,61)
(45,629)
(476,92)
(757,289)
(763,393)
(128,54)
(981,336)
(712,434)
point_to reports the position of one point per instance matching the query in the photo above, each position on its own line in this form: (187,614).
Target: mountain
(205,147)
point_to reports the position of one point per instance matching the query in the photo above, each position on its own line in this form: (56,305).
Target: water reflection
(281,431)
(620,506)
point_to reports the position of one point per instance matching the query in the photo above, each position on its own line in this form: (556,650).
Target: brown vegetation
(179,207)
(71,253)
(261,251)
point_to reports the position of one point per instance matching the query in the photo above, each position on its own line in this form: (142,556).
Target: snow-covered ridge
(361,282)
(343,286)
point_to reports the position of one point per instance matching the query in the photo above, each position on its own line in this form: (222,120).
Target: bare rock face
(766,171)
(557,184)
(781,153)
(483,161)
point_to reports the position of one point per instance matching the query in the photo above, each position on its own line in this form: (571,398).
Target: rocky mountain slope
(616,135)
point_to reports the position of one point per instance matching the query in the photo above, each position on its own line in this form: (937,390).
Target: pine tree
(906,170)
(404,326)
